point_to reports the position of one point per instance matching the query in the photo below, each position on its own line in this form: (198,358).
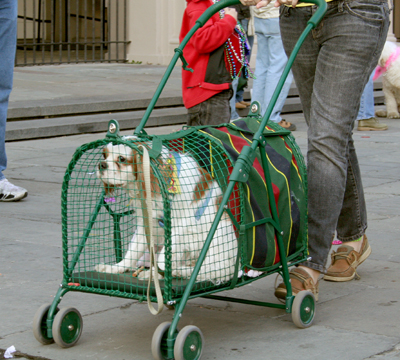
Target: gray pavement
(354,320)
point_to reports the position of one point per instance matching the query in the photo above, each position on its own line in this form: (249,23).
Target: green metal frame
(239,175)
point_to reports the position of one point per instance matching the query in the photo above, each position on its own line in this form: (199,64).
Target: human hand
(291,3)
(261,3)
(232,12)
(253,2)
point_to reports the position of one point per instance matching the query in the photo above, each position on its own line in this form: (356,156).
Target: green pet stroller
(165,219)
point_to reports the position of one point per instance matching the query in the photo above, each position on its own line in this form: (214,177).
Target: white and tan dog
(389,67)
(194,199)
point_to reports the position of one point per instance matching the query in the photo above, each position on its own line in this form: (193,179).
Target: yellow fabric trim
(290,203)
(211,159)
(174,185)
(254,228)
(306,4)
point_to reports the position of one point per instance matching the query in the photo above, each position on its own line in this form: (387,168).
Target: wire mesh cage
(106,224)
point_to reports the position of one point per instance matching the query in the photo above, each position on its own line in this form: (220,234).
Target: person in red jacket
(206,91)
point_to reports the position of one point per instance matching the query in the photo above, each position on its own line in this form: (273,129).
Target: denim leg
(232,101)
(8,39)
(331,71)
(270,62)
(367,103)
(250,40)
(213,111)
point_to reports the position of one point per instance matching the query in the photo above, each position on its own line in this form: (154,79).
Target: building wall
(153,30)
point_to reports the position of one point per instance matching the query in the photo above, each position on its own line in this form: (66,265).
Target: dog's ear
(139,175)
(135,161)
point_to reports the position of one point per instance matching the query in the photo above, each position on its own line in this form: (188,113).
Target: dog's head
(388,49)
(118,168)
(122,167)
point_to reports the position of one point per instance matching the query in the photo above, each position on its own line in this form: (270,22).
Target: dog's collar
(382,69)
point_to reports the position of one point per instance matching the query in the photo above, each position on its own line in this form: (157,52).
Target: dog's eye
(121,159)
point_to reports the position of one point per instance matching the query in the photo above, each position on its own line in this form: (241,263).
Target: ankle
(313,273)
(356,244)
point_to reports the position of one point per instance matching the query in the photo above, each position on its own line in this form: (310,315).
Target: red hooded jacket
(205,54)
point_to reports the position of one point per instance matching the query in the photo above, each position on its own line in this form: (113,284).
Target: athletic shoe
(10,192)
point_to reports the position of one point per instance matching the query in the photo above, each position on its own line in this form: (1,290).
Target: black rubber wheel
(189,343)
(40,326)
(303,309)
(67,327)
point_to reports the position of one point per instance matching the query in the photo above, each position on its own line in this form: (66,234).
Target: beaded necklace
(232,56)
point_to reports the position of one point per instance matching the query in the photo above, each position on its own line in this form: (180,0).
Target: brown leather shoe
(245,103)
(345,262)
(239,106)
(300,280)
(287,125)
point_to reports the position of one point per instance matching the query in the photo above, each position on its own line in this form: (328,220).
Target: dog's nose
(103,165)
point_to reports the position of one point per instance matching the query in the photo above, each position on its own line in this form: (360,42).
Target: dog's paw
(182,272)
(393,115)
(145,275)
(100,268)
(112,269)
(381,113)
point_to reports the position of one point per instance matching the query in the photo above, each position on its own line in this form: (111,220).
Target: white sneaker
(10,192)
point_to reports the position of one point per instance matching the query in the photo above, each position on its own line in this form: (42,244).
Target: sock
(358,239)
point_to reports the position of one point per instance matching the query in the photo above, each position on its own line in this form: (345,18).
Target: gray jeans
(331,71)
(214,111)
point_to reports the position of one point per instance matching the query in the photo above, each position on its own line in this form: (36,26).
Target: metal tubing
(275,217)
(199,262)
(244,301)
(51,313)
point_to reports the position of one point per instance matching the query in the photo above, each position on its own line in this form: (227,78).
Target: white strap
(149,224)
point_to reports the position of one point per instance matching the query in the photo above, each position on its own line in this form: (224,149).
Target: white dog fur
(391,83)
(122,167)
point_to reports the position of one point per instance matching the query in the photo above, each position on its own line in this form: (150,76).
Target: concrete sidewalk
(354,320)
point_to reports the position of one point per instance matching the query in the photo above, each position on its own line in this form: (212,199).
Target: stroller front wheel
(303,309)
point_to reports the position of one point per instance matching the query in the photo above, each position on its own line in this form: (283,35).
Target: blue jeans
(367,102)
(331,71)
(250,39)
(238,95)
(270,62)
(8,45)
